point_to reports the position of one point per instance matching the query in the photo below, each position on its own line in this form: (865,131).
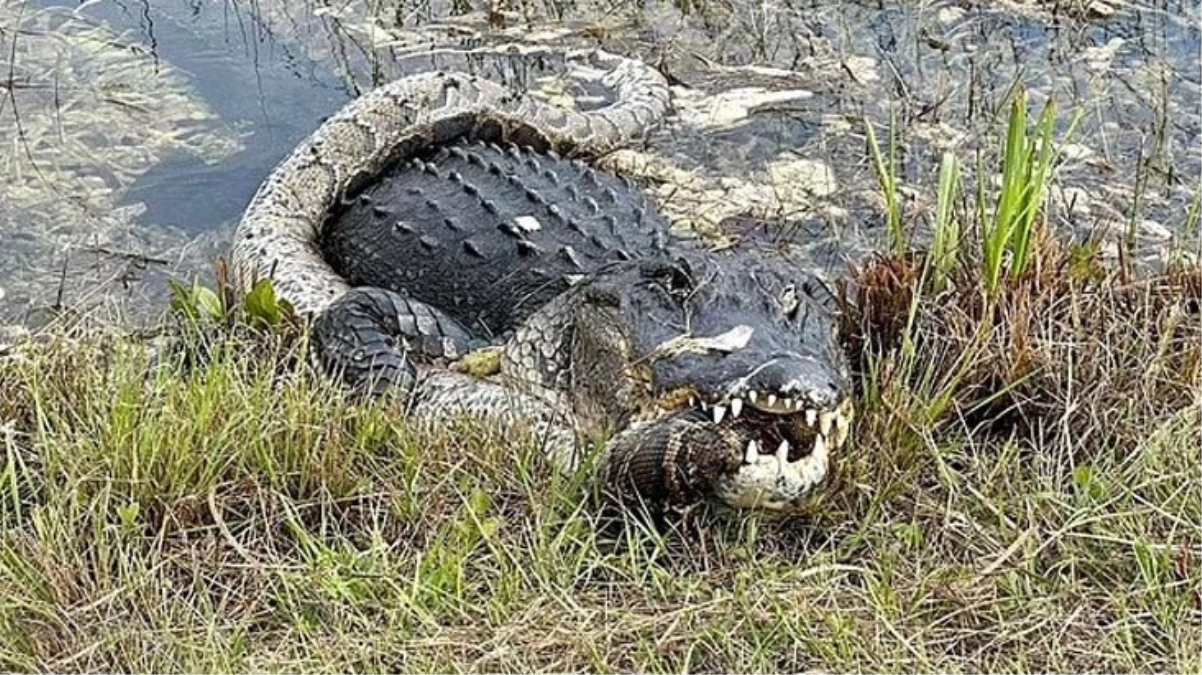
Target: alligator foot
(372,338)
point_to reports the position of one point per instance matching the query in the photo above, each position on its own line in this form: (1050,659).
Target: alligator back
(488,234)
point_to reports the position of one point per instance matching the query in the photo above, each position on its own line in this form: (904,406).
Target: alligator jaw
(784,464)
(784,445)
(772,484)
(832,424)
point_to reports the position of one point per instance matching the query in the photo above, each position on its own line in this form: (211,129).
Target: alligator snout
(781,382)
(781,415)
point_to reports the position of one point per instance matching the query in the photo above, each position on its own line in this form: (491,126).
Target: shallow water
(141,129)
(251,81)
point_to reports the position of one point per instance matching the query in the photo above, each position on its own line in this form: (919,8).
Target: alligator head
(740,338)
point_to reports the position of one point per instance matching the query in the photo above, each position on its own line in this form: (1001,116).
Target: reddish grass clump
(1075,342)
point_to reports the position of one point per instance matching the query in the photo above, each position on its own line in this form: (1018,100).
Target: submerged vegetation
(1021,492)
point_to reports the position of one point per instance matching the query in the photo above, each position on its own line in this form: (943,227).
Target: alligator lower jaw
(786,450)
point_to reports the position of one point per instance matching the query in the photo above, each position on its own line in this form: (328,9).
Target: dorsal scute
(522,232)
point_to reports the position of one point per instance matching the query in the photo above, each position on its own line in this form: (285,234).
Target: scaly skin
(277,236)
(718,371)
(488,234)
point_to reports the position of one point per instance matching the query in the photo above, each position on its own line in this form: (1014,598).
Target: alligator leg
(372,337)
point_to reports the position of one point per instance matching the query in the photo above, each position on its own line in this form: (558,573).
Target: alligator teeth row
(785,406)
(820,447)
(832,425)
(771,403)
(779,461)
(824,419)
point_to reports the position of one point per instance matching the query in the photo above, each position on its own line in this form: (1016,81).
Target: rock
(862,69)
(1099,9)
(1075,152)
(809,175)
(708,111)
(1098,59)
(836,125)
(1154,231)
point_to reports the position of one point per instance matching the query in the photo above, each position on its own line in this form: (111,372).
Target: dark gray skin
(695,289)
(449,231)
(577,275)
(624,315)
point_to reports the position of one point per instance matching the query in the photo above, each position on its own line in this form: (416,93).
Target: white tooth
(771,400)
(811,417)
(705,406)
(719,413)
(753,395)
(819,446)
(788,402)
(736,407)
(782,454)
(812,467)
(753,453)
(692,401)
(824,422)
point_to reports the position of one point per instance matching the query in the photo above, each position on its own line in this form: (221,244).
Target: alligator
(441,214)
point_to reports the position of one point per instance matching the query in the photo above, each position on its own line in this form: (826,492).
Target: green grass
(1027,162)
(234,518)
(886,174)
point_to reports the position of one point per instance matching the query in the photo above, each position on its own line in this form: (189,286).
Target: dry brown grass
(1076,346)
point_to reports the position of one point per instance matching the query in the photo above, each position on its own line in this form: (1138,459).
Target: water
(234,100)
(251,80)
(136,132)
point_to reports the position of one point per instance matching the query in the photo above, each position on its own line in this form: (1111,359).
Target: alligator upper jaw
(831,422)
